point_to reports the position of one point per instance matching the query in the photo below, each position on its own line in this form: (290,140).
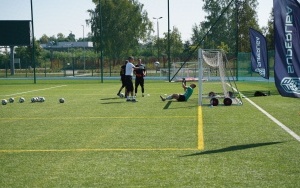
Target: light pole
(83,48)
(157,36)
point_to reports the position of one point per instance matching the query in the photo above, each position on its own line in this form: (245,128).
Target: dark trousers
(139,81)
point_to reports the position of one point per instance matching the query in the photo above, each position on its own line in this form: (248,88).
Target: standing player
(130,67)
(122,75)
(139,76)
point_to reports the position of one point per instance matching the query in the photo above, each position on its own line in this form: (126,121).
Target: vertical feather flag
(259,53)
(287,47)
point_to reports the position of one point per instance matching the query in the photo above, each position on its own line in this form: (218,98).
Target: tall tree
(124,24)
(221,20)
(247,18)
(44,39)
(269,32)
(175,44)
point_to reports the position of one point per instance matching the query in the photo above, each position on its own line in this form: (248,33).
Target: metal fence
(71,67)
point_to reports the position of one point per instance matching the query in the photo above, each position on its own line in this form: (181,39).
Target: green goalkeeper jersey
(188,93)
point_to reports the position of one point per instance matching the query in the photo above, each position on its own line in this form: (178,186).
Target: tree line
(122,27)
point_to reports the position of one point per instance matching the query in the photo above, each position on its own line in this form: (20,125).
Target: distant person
(181,97)
(122,75)
(139,77)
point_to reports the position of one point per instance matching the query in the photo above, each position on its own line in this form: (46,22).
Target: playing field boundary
(14,94)
(288,130)
(284,127)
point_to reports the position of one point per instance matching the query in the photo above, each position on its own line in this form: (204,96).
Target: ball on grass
(4,102)
(34,99)
(21,100)
(41,99)
(11,100)
(121,95)
(61,100)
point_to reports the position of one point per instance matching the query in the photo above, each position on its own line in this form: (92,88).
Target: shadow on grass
(112,98)
(232,148)
(167,105)
(112,102)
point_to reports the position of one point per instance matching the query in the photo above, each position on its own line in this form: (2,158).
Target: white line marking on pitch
(35,90)
(288,130)
(293,134)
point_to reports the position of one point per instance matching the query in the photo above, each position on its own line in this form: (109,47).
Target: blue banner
(287,47)
(259,53)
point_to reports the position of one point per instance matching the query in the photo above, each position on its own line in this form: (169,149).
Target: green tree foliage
(25,52)
(176,45)
(44,39)
(269,32)
(124,25)
(219,27)
(247,18)
(4,59)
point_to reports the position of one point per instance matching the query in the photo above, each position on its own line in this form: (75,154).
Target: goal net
(180,70)
(220,87)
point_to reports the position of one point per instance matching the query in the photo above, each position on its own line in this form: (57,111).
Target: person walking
(139,77)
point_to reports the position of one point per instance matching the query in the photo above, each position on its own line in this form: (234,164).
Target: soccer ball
(21,100)
(4,102)
(41,99)
(11,100)
(121,95)
(34,99)
(61,100)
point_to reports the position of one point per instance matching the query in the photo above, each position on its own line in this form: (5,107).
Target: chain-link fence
(91,67)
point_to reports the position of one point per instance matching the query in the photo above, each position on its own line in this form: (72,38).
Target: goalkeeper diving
(188,91)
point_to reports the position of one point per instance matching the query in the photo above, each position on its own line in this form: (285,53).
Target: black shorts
(129,84)
(181,98)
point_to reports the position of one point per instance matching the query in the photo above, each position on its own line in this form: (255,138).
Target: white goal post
(222,84)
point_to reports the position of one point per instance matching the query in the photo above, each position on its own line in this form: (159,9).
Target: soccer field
(96,139)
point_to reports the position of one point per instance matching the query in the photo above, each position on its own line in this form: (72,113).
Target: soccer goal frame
(226,88)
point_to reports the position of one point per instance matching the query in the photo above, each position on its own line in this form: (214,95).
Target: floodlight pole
(157,36)
(237,4)
(83,48)
(101,41)
(169,43)
(32,51)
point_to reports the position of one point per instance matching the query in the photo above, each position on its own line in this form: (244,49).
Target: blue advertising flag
(259,53)
(287,45)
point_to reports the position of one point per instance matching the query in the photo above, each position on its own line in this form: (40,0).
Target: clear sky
(64,16)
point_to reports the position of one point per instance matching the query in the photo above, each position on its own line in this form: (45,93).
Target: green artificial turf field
(96,139)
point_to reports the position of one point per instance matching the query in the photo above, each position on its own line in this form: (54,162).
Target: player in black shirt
(122,75)
(139,77)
